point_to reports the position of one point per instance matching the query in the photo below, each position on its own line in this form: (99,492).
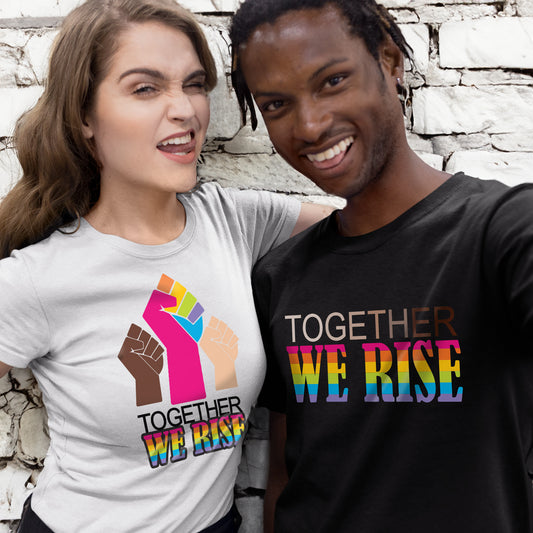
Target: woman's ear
(391,59)
(86,128)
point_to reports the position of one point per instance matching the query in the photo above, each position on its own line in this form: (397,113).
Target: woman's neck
(144,221)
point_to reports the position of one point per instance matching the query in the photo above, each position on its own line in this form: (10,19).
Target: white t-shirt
(159,451)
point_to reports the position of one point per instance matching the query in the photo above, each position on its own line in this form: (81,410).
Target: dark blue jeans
(31,523)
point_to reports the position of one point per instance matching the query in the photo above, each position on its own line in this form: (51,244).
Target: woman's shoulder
(59,246)
(214,193)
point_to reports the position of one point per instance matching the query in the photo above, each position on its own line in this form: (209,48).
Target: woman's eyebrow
(142,70)
(153,73)
(196,74)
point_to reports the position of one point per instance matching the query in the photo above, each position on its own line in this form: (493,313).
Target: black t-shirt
(403,361)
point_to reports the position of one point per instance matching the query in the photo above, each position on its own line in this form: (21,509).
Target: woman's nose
(180,106)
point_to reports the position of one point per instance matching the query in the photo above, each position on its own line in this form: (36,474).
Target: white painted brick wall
(487,43)
(472,111)
(502,109)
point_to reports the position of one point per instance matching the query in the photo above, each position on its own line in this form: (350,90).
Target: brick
(15,69)
(256,171)
(494,77)
(415,4)
(419,144)
(487,43)
(13,491)
(10,171)
(210,6)
(225,119)
(471,110)
(440,14)
(36,8)
(17,403)
(445,145)
(513,142)
(247,142)
(510,168)
(433,160)
(524,8)
(5,384)
(417,36)
(7,435)
(33,439)
(405,16)
(37,51)
(436,76)
(13,102)
(13,37)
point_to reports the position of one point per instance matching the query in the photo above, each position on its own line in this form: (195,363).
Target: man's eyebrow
(314,76)
(329,64)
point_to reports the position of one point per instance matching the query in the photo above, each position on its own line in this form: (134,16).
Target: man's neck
(389,196)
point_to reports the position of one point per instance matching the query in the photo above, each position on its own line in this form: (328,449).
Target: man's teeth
(330,153)
(184,139)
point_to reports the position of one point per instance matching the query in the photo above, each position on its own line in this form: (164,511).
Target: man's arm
(277,474)
(309,214)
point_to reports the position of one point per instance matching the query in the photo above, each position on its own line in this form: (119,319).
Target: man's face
(331,109)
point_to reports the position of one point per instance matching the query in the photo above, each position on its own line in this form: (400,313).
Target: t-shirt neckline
(147,250)
(370,241)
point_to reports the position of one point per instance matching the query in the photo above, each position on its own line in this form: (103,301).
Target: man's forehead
(301,24)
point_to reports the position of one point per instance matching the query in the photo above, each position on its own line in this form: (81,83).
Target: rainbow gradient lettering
(307,373)
(380,380)
(163,445)
(219,433)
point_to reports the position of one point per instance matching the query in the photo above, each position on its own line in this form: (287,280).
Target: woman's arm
(4,369)
(309,214)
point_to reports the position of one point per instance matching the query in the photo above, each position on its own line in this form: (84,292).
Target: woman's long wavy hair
(60,174)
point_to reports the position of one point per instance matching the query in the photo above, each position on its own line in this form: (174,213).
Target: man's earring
(405,100)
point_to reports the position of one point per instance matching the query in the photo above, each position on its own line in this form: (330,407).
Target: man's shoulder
(294,252)
(491,196)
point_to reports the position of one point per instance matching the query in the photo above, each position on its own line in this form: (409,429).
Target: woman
(132,305)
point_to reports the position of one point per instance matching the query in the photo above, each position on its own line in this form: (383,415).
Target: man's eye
(334,80)
(272,106)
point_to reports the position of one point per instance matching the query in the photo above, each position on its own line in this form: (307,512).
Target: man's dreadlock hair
(366,19)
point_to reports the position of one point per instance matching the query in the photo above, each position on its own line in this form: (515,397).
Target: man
(399,329)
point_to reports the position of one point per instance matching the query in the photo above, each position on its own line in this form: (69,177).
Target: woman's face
(150,113)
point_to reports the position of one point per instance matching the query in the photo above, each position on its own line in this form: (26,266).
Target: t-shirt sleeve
(23,326)
(266,219)
(273,394)
(508,257)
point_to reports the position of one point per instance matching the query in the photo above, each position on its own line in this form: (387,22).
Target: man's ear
(391,59)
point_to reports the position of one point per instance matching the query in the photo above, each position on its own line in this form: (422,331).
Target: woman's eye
(196,87)
(144,89)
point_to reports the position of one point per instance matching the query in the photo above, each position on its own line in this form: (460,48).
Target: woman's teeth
(184,139)
(330,153)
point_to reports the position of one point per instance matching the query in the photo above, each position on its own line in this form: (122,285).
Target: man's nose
(312,121)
